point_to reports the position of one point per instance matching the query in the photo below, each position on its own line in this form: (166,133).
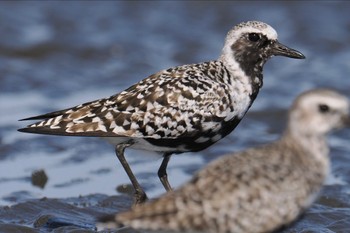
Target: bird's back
(268,186)
(187,108)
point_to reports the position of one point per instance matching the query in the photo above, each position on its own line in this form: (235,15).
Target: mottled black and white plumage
(257,190)
(185,108)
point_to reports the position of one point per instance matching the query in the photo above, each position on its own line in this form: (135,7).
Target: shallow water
(54,56)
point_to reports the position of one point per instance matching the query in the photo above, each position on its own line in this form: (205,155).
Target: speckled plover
(256,190)
(181,109)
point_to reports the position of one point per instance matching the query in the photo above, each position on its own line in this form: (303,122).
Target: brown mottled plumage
(185,108)
(259,189)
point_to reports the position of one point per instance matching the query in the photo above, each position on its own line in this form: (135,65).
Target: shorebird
(180,109)
(256,190)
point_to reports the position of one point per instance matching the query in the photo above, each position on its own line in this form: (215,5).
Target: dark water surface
(54,55)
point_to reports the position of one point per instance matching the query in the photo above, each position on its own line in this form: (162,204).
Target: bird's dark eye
(254,37)
(323,108)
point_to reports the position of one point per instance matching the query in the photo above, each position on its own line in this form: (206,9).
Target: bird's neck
(314,147)
(252,71)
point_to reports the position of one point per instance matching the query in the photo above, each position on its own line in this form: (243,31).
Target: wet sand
(79,214)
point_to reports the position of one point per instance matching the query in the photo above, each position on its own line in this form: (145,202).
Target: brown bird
(257,190)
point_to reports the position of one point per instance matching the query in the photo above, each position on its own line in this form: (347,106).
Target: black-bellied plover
(181,109)
(256,190)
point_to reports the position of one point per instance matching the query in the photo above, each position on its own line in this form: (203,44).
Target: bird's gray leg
(163,176)
(140,195)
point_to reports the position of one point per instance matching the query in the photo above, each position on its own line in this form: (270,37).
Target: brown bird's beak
(279,49)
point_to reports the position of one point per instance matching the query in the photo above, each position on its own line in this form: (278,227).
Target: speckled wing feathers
(228,192)
(189,101)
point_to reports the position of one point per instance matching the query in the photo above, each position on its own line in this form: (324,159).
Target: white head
(317,112)
(251,27)
(250,44)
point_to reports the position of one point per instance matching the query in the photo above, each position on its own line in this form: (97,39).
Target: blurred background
(55,55)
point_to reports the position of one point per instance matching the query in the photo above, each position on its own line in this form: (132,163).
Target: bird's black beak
(279,49)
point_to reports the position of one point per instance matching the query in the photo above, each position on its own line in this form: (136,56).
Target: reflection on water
(54,56)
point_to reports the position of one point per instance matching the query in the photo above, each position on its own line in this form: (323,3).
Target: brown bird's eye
(254,37)
(323,108)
